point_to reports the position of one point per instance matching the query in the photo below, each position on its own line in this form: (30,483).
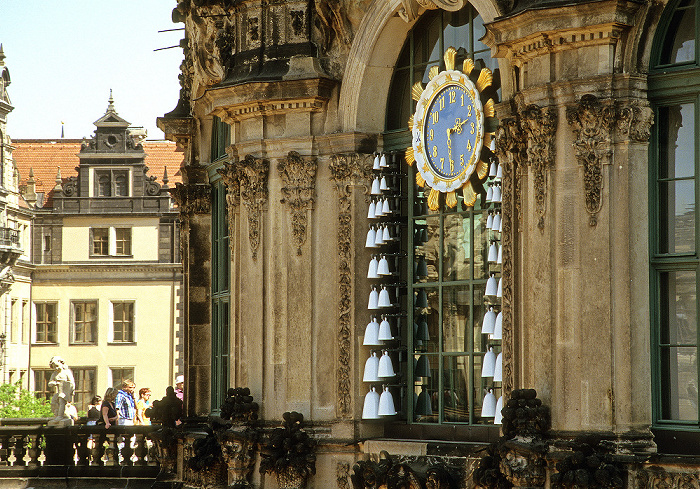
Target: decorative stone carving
(539,124)
(229,175)
(584,466)
(658,478)
(204,50)
(333,21)
(592,123)
(289,453)
(193,198)
(634,121)
(523,466)
(70,187)
(252,176)
(393,472)
(410,8)
(298,186)
(347,171)
(342,471)
(238,451)
(151,186)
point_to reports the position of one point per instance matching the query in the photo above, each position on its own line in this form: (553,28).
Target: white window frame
(111,242)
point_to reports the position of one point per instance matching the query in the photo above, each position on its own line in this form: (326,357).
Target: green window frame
(455,285)
(220,138)
(674,190)
(221,297)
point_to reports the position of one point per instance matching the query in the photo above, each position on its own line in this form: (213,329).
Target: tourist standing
(109,411)
(93,411)
(179,386)
(142,404)
(125,403)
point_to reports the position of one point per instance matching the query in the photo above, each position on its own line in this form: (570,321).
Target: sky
(65,56)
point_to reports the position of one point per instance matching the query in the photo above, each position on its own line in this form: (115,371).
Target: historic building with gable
(558,281)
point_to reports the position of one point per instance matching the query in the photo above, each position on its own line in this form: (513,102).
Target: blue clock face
(452,132)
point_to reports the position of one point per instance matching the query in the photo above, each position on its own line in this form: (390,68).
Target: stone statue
(64,384)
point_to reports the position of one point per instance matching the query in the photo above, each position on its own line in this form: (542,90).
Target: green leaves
(16,402)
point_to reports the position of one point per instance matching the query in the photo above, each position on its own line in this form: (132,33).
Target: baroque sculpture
(63,384)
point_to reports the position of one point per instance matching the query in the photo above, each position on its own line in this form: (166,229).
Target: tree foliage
(16,402)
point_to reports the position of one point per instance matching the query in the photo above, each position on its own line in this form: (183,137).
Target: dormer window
(111,183)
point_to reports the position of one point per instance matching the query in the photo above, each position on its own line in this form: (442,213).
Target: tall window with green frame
(674,90)
(220,138)
(220,297)
(447,266)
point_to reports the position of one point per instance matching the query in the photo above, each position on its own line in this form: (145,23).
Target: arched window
(674,91)
(447,267)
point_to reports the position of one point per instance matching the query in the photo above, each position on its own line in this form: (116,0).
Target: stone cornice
(108,267)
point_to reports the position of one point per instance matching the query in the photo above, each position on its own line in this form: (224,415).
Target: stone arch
(373,54)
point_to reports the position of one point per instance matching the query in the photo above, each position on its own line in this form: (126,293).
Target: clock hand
(449,149)
(458,126)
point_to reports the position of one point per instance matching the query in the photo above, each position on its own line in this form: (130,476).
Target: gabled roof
(45,156)
(111,118)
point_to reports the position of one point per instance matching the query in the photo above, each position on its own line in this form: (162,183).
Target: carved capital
(298,188)
(352,169)
(238,452)
(592,122)
(192,198)
(410,8)
(634,121)
(523,467)
(539,125)
(252,174)
(229,175)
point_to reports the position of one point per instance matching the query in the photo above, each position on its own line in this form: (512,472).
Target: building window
(220,138)
(447,267)
(85,386)
(41,383)
(119,374)
(674,91)
(110,242)
(46,322)
(111,183)
(14,328)
(220,296)
(100,241)
(25,321)
(84,322)
(122,322)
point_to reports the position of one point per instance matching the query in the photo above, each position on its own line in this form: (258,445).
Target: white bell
(376,164)
(499,173)
(379,237)
(498,327)
(499,406)
(371,213)
(499,292)
(499,259)
(489,322)
(382,184)
(383,300)
(498,368)
(493,253)
(371,236)
(378,209)
(494,169)
(500,225)
(489,195)
(371,407)
(386,210)
(386,367)
(373,265)
(489,364)
(488,407)
(496,194)
(386,404)
(382,162)
(372,334)
(386,235)
(492,145)
(371,368)
(496,222)
(373,299)
(375,187)
(491,286)
(489,221)
(384,333)
(383,268)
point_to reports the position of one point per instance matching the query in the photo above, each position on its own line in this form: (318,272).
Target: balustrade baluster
(82,448)
(114,445)
(98,450)
(127,450)
(5,451)
(20,449)
(34,449)
(141,449)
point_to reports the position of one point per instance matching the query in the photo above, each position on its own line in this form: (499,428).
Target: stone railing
(77,451)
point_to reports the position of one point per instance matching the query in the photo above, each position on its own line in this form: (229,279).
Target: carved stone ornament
(522,466)
(298,187)
(592,123)
(342,471)
(193,198)
(393,472)
(410,8)
(348,170)
(238,450)
(334,22)
(539,124)
(658,478)
(204,53)
(252,176)
(634,121)
(229,175)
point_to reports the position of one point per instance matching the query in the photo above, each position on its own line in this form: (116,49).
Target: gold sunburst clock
(451,131)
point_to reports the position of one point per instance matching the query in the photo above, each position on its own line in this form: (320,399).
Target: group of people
(119,407)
